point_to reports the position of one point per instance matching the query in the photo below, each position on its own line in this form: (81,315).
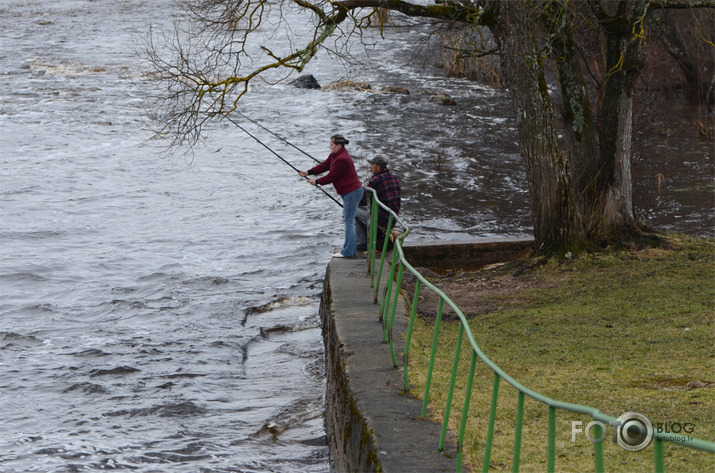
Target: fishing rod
(277,136)
(280,157)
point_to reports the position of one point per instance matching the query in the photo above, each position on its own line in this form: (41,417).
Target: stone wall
(351,444)
(466,255)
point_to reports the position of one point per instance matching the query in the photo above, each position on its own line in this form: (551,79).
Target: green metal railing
(388,307)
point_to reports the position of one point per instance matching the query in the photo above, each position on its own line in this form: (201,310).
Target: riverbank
(612,331)
(372,424)
(618,331)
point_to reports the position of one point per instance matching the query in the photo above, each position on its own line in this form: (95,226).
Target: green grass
(618,331)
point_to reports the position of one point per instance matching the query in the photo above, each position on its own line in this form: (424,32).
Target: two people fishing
(342,174)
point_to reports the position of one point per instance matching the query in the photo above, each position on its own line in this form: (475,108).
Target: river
(160,315)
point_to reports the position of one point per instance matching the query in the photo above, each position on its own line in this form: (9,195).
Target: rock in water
(306,82)
(441,98)
(349,85)
(395,89)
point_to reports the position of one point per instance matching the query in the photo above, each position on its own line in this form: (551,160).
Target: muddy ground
(476,292)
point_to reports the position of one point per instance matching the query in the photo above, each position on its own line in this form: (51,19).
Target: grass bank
(618,331)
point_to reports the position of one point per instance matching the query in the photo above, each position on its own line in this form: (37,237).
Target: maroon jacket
(341,172)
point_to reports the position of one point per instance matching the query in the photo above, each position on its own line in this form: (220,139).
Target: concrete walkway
(372,425)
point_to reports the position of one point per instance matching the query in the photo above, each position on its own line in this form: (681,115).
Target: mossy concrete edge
(372,425)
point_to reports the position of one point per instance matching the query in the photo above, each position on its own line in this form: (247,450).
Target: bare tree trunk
(617,222)
(577,113)
(557,224)
(618,215)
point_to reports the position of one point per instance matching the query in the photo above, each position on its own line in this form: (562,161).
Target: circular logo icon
(634,431)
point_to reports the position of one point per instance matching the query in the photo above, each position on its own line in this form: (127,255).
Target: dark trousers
(361,226)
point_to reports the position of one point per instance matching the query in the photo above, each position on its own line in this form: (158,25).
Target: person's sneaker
(338,255)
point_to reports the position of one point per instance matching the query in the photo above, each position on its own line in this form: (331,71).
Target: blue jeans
(350,206)
(361,226)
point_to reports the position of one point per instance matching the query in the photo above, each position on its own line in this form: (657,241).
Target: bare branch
(217,47)
(680,4)
(204,66)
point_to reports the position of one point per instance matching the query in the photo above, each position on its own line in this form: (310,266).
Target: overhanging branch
(452,11)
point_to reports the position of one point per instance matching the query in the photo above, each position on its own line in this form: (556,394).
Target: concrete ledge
(372,425)
(466,255)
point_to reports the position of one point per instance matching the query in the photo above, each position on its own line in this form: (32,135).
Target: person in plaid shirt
(388,191)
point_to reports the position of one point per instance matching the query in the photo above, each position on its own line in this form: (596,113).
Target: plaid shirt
(387,188)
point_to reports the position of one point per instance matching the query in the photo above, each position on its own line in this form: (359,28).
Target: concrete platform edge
(372,425)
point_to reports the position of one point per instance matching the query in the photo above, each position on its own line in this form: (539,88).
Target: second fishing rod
(278,155)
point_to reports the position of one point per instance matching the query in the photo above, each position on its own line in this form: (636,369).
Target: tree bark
(577,113)
(617,221)
(618,214)
(556,218)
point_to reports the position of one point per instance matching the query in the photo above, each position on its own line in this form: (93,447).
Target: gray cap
(379,160)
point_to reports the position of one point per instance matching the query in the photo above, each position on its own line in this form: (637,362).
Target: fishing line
(277,136)
(280,157)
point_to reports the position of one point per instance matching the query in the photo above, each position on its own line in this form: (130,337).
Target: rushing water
(163,317)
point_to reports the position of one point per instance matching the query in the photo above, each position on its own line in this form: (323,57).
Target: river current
(161,316)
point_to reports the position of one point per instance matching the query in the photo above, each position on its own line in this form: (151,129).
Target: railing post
(465,411)
(372,240)
(408,338)
(387,297)
(450,393)
(382,257)
(435,337)
(492,419)
(379,277)
(659,455)
(598,449)
(517,432)
(551,450)
(398,285)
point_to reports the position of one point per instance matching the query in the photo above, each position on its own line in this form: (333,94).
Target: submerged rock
(306,82)
(348,85)
(441,98)
(394,89)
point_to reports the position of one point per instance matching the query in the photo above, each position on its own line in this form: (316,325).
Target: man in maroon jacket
(343,176)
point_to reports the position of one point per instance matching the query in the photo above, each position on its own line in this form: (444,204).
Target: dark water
(163,317)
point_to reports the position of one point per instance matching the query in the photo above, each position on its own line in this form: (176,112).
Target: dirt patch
(679,384)
(491,288)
